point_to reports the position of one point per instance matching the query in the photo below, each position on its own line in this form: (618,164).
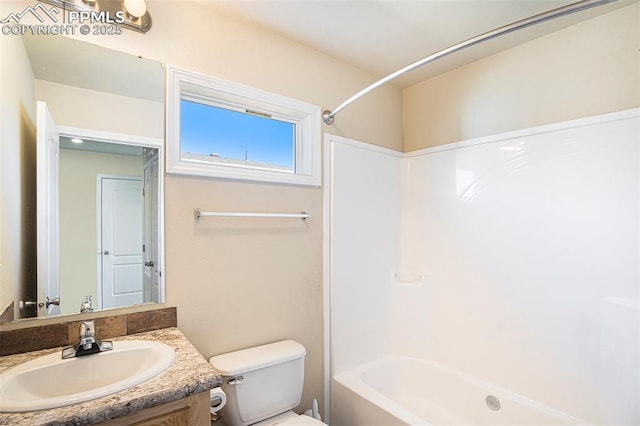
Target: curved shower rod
(328,116)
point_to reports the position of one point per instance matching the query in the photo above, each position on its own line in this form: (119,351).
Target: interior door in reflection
(48,231)
(121,228)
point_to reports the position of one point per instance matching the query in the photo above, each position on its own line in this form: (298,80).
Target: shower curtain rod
(328,116)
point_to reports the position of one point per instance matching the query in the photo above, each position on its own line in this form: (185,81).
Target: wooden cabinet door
(190,411)
(174,418)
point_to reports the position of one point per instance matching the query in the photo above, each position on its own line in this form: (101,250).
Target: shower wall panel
(528,247)
(365,209)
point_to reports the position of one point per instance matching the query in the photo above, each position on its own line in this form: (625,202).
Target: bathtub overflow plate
(493,402)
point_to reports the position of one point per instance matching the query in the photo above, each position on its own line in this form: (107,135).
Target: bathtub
(398,390)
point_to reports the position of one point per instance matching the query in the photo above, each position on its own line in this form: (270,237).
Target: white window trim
(306,116)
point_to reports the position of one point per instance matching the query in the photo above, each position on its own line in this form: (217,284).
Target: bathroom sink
(50,381)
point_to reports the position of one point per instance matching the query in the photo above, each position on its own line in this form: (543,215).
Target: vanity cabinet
(190,411)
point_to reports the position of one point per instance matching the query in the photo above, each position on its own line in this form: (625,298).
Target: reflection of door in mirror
(48,158)
(151,284)
(120,240)
(103,227)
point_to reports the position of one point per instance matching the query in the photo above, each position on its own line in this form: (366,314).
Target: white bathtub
(405,391)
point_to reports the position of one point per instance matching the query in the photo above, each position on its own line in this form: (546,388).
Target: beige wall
(89,109)
(78,219)
(243,282)
(17,174)
(588,69)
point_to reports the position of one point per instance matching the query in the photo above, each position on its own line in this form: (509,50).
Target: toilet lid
(302,421)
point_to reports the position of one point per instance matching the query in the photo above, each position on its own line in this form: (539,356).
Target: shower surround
(510,261)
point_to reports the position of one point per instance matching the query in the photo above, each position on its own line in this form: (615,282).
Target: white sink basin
(50,381)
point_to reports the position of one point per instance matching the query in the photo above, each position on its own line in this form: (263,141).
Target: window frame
(193,87)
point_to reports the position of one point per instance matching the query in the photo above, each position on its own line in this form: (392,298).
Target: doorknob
(106,252)
(55,301)
(149,264)
(28,304)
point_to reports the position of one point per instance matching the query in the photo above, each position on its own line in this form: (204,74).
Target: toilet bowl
(263,384)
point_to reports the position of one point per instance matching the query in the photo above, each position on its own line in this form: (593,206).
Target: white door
(151,272)
(121,236)
(48,158)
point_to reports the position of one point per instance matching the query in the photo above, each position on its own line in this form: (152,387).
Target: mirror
(82,184)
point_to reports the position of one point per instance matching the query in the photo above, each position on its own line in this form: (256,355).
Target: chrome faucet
(88,343)
(86,305)
(88,337)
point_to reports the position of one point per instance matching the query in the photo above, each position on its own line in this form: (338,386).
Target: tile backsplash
(67,333)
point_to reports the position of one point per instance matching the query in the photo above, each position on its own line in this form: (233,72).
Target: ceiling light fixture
(130,14)
(135,8)
(76,140)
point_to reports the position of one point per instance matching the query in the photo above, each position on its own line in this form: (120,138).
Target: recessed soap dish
(408,279)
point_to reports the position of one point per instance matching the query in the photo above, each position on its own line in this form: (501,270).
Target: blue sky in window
(210,130)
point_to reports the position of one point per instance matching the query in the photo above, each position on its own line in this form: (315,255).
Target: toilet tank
(261,382)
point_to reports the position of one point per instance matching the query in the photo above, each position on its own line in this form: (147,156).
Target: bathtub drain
(493,402)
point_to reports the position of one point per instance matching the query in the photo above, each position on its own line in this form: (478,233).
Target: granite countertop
(189,374)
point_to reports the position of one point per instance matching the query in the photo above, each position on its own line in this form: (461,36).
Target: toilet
(263,384)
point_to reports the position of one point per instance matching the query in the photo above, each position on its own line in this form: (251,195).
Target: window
(215,134)
(221,129)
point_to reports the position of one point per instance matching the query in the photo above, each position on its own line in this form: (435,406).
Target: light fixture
(130,14)
(135,8)
(76,140)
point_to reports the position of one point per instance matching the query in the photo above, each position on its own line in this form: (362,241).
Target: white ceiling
(378,36)
(382,36)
